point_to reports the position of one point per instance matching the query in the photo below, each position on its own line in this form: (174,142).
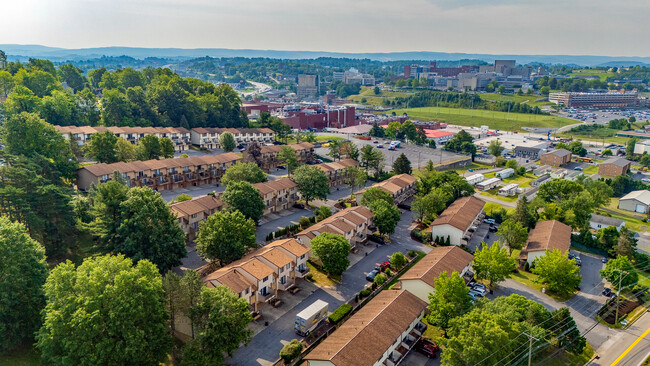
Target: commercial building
(614,167)
(336,171)
(353,76)
(557,157)
(598,222)
(179,135)
(525,152)
(308,86)
(190,213)
(486,185)
(208,138)
(454,222)
(642,147)
(635,201)
(439,136)
(263,274)
(319,117)
(380,333)
(547,235)
(418,71)
(420,279)
(278,195)
(600,100)
(402,187)
(164,174)
(352,223)
(268,158)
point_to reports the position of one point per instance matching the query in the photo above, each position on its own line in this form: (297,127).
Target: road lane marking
(630,347)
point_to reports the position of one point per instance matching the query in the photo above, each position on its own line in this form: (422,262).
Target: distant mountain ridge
(20,52)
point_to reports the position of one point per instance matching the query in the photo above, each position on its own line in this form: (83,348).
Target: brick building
(556,157)
(614,167)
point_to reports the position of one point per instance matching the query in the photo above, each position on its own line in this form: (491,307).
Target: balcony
(302,272)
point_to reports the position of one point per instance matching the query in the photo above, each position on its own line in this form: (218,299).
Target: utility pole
(618,294)
(530,344)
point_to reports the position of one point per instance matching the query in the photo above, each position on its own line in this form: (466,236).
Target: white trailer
(309,318)
(476,178)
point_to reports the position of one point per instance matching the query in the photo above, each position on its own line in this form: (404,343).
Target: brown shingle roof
(256,268)
(548,235)
(559,152)
(340,217)
(363,339)
(229,278)
(275,256)
(290,245)
(461,213)
(440,259)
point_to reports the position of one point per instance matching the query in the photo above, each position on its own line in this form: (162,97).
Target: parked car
(489,221)
(578,261)
(493,229)
(298,205)
(380,146)
(376,239)
(479,291)
(383,266)
(608,292)
(427,347)
(375,142)
(371,276)
(477,285)
(571,255)
(391,147)
(604,260)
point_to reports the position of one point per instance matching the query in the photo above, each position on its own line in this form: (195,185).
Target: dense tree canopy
(312,183)
(332,250)
(105,312)
(559,273)
(493,264)
(247,172)
(449,299)
(225,236)
(245,198)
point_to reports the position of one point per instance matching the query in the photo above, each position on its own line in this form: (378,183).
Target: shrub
(291,350)
(374,285)
(309,277)
(388,272)
(339,313)
(411,253)
(364,293)
(304,222)
(380,279)
(527,267)
(398,260)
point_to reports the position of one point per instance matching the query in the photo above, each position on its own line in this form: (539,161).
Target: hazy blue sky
(597,27)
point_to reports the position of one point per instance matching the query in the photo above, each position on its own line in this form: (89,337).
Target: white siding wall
(454,234)
(417,288)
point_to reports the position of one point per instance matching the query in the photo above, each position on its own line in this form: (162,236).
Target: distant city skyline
(577,27)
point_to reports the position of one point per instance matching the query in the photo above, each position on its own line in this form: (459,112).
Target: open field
(531,100)
(371,99)
(478,117)
(603,75)
(593,137)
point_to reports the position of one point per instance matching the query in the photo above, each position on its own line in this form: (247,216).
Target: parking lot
(418,155)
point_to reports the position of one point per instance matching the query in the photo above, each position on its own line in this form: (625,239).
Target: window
(281,269)
(302,256)
(265,279)
(194,216)
(283,280)
(288,265)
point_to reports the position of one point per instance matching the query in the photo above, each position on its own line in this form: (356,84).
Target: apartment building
(164,174)
(352,223)
(557,157)
(456,221)
(336,171)
(268,158)
(278,195)
(380,333)
(262,274)
(190,213)
(402,187)
(614,167)
(179,135)
(208,138)
(547,235)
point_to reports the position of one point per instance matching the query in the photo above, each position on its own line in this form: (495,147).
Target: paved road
(266,345)
(623,342)
(495,200)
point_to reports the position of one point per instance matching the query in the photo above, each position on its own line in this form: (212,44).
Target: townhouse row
(353,223)
(263,274)
(401,187)
(385,330)
(337,171)
(207,138)
(179,135)
(164,174)
(268,155)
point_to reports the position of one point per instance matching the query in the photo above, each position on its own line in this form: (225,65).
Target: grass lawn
(320,278)
(564,358)
(644,278)
(319,138)
(522,180)
(493,193)
(601,135)
(371,99)
(632,220)
(433,333)
(592,169)
(603,75)
(531,100)
(478,117)
(24,356)
(474,166)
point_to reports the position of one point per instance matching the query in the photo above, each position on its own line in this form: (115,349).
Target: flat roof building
(611,99)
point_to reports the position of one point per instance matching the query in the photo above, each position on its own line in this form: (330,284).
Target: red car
(426,347)
(383,266)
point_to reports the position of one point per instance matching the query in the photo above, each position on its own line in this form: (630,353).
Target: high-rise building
(308,86)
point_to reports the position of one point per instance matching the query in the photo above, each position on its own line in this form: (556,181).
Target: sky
(573,27)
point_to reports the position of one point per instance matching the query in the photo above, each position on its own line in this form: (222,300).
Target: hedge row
(339,313)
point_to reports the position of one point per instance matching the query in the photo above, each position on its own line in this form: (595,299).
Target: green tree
(402,165)
(523,213)
(6,83)
(495,148)
(101,147)
(290,351)
(429,206)
(225,237)
(106,200)
(561,274)
(629,147)
(175,297)
(40,82)
(376,131)
(620,270)
(335,149)
(373,194)
(245,198)
(149,148)
(22,276)
(450,298)
(21,99)
(227,142)
(513,233)
(71,76)
(386,216)
(288,156)
(376,90)
(493,263)
(576,148)
(408,130)
(312,183)
(566,331)
(350,150)
(244,172)
(608,238)
(149,230)
(355,178)
(501,89)
(167,148)
(626,243)
(332,250)
(181,198)
(125,151)
(221,318)
(545,90)
(322,212)
(398,260)
(105,312)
